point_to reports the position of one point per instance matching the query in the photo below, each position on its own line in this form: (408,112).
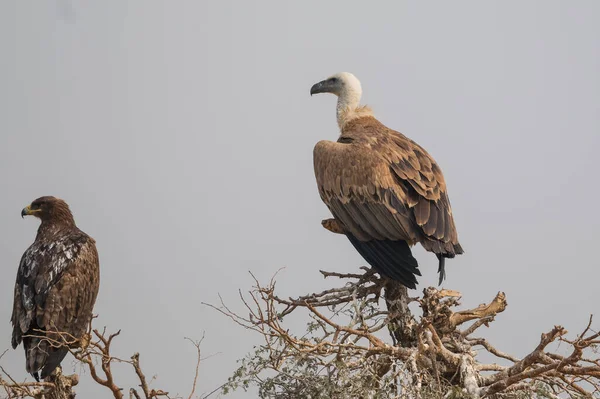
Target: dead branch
(343,347)
(197,345)
(484,312)
(94,352)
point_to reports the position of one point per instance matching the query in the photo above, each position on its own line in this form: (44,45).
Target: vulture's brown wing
(388,189)
(385,188)
(57,284)
(424,190)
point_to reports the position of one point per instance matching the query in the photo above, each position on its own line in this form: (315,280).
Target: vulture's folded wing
(388,189)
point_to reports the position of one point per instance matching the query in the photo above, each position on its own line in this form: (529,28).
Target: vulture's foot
(333,225)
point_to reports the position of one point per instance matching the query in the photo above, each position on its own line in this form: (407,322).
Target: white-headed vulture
(386,192)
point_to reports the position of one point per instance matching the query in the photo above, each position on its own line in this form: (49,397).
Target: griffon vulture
(57,284)
(386,193)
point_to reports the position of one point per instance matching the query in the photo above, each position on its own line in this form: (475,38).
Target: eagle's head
(48,208)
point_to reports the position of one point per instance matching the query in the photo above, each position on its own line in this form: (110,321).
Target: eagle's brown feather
(56,288)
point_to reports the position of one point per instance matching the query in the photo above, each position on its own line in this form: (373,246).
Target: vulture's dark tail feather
(393,259)
(441,267)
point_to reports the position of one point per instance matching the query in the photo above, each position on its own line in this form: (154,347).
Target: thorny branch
(345,347)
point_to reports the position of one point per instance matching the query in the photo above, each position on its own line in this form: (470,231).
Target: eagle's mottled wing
(57,284)
(68,304)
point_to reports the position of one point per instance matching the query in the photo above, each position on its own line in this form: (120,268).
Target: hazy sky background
(181,134)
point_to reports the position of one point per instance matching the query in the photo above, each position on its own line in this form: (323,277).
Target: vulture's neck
(348,107)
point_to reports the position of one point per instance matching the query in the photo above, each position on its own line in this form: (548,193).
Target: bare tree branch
(93,351)
(343,353)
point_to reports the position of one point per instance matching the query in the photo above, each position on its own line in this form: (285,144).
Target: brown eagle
(57,284)
(386,192)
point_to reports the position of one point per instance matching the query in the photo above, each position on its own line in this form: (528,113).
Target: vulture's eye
(333,80)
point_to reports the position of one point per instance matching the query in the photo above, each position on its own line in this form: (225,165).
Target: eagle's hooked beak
(323,86)
(28,211)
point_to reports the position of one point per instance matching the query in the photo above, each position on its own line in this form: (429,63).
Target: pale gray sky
(181,134)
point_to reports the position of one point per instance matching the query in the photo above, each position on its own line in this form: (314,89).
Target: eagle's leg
(333,225)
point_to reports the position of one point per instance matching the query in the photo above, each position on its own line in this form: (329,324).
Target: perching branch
(93,350)
(345,350)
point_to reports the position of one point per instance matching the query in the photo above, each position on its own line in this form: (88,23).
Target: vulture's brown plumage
(385,191)
(57,284)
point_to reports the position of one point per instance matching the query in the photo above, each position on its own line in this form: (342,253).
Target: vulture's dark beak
(321,87)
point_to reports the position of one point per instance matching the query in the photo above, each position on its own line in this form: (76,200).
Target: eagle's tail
(36,353)
(40,355)
(54,359)
(393,259)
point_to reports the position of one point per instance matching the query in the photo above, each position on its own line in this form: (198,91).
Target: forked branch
(93,350)
(344,350)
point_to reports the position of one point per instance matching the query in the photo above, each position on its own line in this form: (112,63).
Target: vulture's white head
(341,84)
(348,90)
